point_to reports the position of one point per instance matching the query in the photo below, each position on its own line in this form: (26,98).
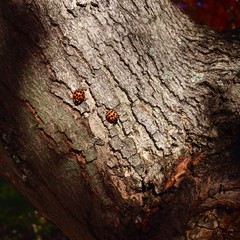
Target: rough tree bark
(169,169)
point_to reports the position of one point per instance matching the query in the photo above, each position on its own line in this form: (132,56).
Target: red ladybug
(78,96)
(112,116)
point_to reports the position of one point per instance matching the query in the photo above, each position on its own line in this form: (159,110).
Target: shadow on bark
(211,188)
(20,30)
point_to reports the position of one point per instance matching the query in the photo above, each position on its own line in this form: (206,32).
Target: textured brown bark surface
(169,169)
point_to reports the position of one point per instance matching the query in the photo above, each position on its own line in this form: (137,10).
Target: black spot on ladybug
(238,74)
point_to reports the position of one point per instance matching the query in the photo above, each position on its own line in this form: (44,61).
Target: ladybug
(78,96)
(112,116)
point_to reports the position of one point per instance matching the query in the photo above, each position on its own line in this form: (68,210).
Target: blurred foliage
(221,15)
(18,219)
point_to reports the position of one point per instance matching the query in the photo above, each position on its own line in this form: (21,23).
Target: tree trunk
(169,167)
